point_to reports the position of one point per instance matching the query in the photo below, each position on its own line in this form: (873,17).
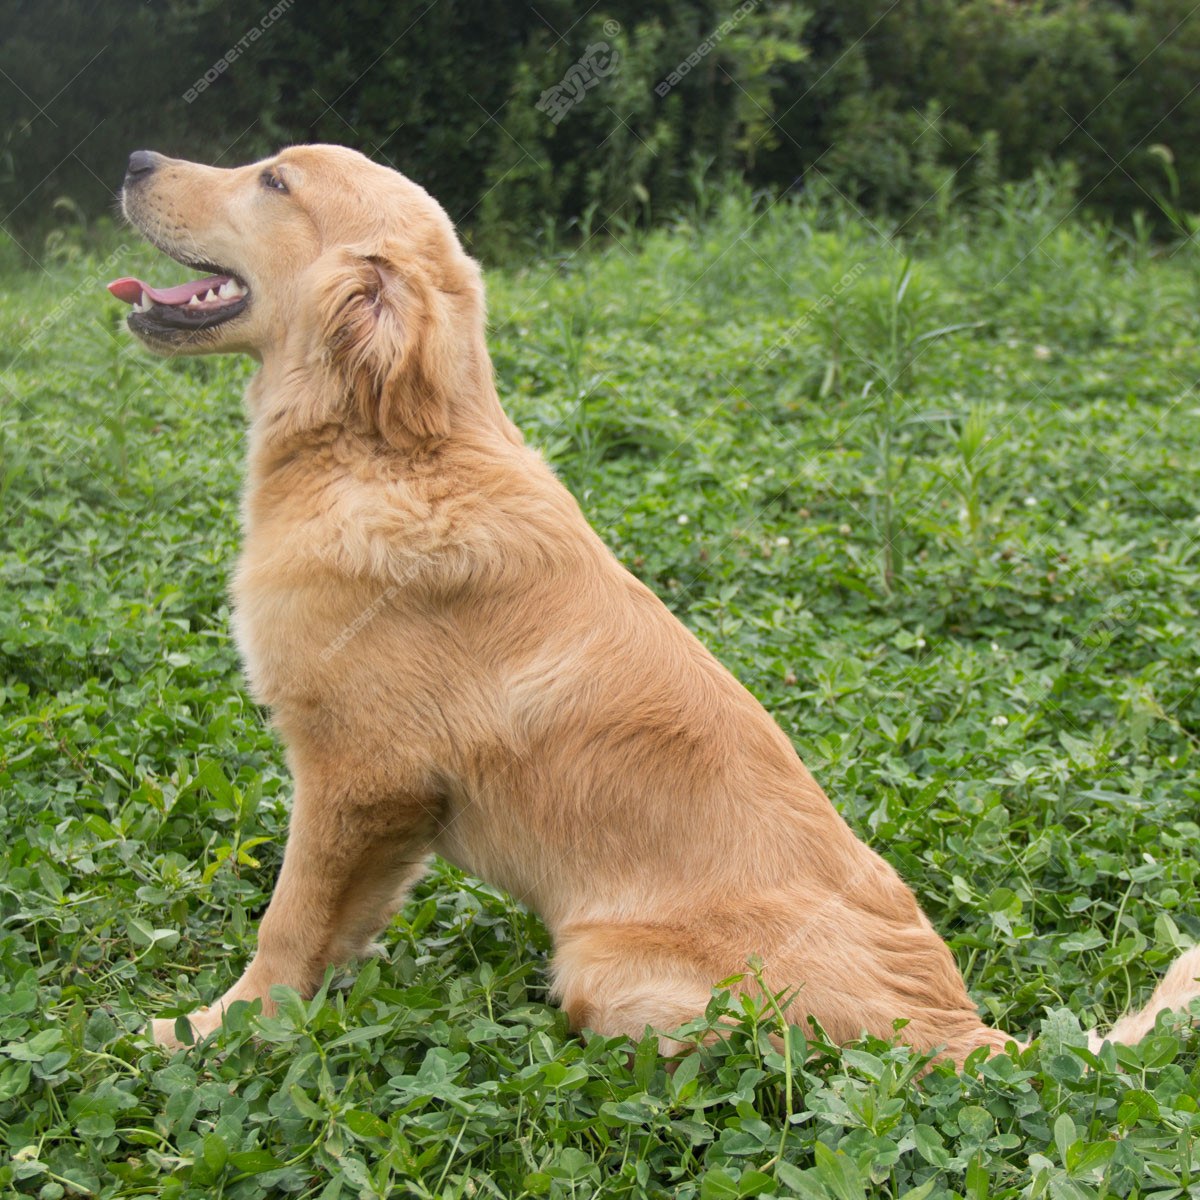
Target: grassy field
(935,503)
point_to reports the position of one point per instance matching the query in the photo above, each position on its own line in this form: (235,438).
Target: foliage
(1009,714)
(902,106)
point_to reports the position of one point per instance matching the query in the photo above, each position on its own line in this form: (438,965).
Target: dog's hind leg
(617,980)
(347,865)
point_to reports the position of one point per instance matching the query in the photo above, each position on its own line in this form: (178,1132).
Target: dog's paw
(162,1032)
(203,1022)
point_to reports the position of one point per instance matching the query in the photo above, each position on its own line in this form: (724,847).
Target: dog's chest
(300,639)
(312,588)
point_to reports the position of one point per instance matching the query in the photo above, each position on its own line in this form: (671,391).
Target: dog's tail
(1175,992)
(1179,986)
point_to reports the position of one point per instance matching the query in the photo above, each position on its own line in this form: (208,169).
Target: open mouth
(188,307)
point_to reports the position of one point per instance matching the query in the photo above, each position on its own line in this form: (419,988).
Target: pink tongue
(130,290)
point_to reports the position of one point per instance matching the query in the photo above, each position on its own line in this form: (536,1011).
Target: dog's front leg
(348,866)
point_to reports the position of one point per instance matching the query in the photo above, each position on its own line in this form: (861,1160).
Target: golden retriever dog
(459,666)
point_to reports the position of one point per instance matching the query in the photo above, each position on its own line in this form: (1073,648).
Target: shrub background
(903,107)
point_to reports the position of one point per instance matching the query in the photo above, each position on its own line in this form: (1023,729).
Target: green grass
(934,503)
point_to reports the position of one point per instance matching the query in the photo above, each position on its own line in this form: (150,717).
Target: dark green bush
(905,107)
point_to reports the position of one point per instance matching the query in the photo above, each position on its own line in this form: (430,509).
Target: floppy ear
(396,343)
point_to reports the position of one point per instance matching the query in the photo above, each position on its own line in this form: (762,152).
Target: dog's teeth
(226,292)
(142,305)
(193,300)
(210,296)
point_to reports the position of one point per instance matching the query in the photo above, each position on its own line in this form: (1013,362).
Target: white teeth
(230,290)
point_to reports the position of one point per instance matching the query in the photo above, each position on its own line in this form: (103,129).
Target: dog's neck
(294,407)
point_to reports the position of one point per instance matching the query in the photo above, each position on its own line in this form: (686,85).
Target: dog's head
(320,260)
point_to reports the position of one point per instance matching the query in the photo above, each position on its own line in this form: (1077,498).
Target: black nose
(141,163)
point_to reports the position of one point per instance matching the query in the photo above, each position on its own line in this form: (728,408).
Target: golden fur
(459,666)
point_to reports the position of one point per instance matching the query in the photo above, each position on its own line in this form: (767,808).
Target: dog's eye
(271,180)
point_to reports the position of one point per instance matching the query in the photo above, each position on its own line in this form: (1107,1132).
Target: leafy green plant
(1184,223)
(970,477)
(895,335)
